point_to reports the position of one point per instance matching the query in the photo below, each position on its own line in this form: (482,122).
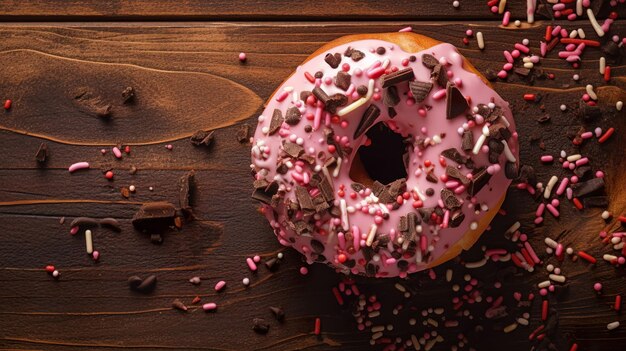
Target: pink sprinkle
(586,135)
(508,57)
(469,32)
(540,209)
(558,7)
(599,174)
(304,270)
(406,29)
(597,287)
(440,94)
(521,47)
(256,259)
(74,230)
(376,72)
(543,48)
(502,74)
(220,285)
(547,158)
(562,186)
(95,255)
(282,96)
(117,152)
(507,66)
(251,264)
(242,57)
(582,161)
(556,30)
(506,19)
(77,166)
(211,306)
(515,53)
(553,210)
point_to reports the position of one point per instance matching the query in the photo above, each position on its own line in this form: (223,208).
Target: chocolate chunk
(361,90)
(84,222)
(128,95)
(396,77)
(456,219)
(455,173)
(367,120)
(276,122)
(390,96)
(271,264)
(134,281)
(303,228)
(179,305)
(611,49)
(156,238)
(154,216)
(357,187)
(429,61)
(511,170)
(265,194)
(582,171)
(202,137)
(355,55)
(440,76)
(397,187)
(491,75)
(588,113)
(111,223)
(343,80)
(467,143)
(278,313)
(103,111)
(293,116)
(147,285)
(304,95)
(319,74)
(333,60)
(480,178)
(456,103)
(483,110)
(391,112)
(371,269)
(42,153)
(330,102)
(243,133)
(292,149)
(304,199)
(524,72)
(185,190)
(260,326)
(420,90)
(454,155)
(317,246)
(587,187)
(326,189)
(495,149)
(450,200)
(380,50)
(527,175)
(403,225)
(431,177)
(596,201)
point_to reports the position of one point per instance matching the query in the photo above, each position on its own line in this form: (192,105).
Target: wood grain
(187,76)
(348,10)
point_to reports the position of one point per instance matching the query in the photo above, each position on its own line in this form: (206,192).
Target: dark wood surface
(187,77)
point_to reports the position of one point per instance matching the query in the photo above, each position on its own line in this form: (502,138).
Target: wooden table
(62,62)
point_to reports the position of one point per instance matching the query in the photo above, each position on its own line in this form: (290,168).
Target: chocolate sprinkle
(440,75)
(396,77)
(480,178)
(361,90)
(111,223)
(420,90)
(367,120)
(276,122)
(134,281)
(588,187)
(429,61)
(333,60)
(271,264)
(390,96)
(202,137)
(42,153)
(380,50)
(343,80)
(456,103)
(84,222)
(293,116)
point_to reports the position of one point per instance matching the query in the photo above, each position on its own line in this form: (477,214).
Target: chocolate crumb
(367,120)
(179,305)
(128,95)
(420,90)
(84,222)
(134,281)
(276,122)
(185,190)
(156,238)
(396,77)
(147,285)
(42,153)
(260,326)
(429,61)
(243,133)
(271,264)
(587,187)
(333,60)
(202,138)
(343,80)
(132,170)
(278,313)
(293,116)
(456,102)
(125,192)
(154,216)
(361,90)
(390,96)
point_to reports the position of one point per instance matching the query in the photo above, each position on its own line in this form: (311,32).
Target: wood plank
(177,70)
(348,10)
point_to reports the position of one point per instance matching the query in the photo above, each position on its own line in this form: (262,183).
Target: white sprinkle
(525,41)
(479,144)
(544,284)
(579,7)
(569,251)
(574,158)
(551,243)
(476,264)
(563,107)
(612,325)
(529,65)
(344,215)
(88,241)
(602,64)
(513,228)
(55,273)
(246,281)
(507,152)
(606,215)
(371,234)
(592,94)
(480,40)
(449,275)
(530,10)
(132,188)
(353,106)
(557,278)
(473,225)
(581,33)
(509,328)
(400,287)
(502,6)
(550,268)
(522,321)
(619,105)
(594,23)
(517,23)
(609,258)
(551,183)
(573,34)
(337,168)
(456,4)
(280,255)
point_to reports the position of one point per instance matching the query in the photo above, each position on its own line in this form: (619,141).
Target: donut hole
(382,160)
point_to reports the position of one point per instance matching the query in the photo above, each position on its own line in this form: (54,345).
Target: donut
(314,177)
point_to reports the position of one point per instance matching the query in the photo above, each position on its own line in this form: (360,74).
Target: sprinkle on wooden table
(480,40)
(606,135)
(318,326)
(585,256)
(594,23)
(88,241)
(7,104)
(544,310)
(78,165)
(617,305)
(208,307)
(612,325)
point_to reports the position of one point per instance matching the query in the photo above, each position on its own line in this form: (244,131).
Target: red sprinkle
(7,104)
(318,325)
(574,347)
(587,42)
(529,97)
(548,33)
(544,310)
(309,77)
(535,332)
(607,73)
(606,135)
(587,257)
(108,175)
(618,302)
(338,296)
(622,219)
(50,268)
(577,203)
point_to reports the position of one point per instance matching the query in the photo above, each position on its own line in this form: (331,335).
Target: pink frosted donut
(459,147)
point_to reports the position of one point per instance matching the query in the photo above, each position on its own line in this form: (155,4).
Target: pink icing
(424,120)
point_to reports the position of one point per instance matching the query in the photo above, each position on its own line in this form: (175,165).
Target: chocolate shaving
(333,60)
(420,90)
(260,326)
(431,177)
(276,122)
(396,77)
(243,133)
(511,170)
(265,194)
(147,285)
(456,219)
(128,95)
(390,96)
(495,150)
(480,178)
(587,187)
(455,173)
(185,190)
(456,103)
(292,149)
(343,80)
(450,201)
(331,103)
(42,153)
(454,155)
(429,61)
(596,201)
(293,116)
(367,120)
(439,75)
(202,137)
(467,142)
(582,171)
(304,199)
(326,189)
(154,216)
(111,223)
